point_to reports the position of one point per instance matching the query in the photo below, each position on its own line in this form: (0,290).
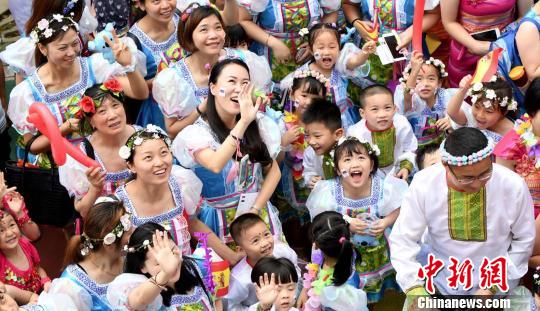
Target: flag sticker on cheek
(317,55)
(222,92)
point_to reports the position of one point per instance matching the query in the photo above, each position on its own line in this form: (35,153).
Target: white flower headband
(371,148)
(44,30)
(299,74)
(155,132)
(431,61)
(466,159)
(478,90)
(124,225)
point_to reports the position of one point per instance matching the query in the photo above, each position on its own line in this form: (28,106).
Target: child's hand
(417,60)
(465,82)
(3,186)
(15,203)
(403,174)
(313,181)
(444,124)
(96,177)
(369,47)
(291,135)
(378,227)
(358,226)
(267,291)
(165,253)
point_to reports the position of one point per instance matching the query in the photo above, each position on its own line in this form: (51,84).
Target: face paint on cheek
(345,173)
(317,55)
(296,104)
(222,92)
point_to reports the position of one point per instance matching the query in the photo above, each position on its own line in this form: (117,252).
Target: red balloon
(45,122)
(417,25)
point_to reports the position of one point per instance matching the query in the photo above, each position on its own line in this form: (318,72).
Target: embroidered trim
(370,201)
(467,215)
(100,290)
(184,72)
(156,47)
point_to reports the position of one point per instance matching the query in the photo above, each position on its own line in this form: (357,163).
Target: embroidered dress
(186,189)
(121,287)
(476,16)
(283,19)
(93,70)
(397,144)
(150,113)
(520,145)
(422,118)
(177,94)
(73,178)
(497,221)
(28,279)
(339,84)
(510,56)
(241,289)
(90,296)
(374,272)
(223,190)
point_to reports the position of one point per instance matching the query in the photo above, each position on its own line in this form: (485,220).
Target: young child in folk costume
(370,203)
(391,132)
(422,100)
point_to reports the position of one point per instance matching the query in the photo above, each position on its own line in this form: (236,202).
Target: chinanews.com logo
(492,279)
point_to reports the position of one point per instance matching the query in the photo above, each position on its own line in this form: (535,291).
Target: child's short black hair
(236,35)
(532,98)
(422,151)
(465,141)
(282,268)
(309,85)
(243,223)
(322,111)
(374,90)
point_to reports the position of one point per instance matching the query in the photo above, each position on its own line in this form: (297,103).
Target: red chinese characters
(429,271)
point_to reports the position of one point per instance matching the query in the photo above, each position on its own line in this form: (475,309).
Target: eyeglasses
(469,180)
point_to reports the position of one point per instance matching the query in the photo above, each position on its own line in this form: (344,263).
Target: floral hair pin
(134,249)
(371,148)
(124,225)
(185,15)
(441,67)
(69,6)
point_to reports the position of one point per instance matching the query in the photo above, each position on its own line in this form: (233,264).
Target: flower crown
(431,61)
(475,157)
(138,138)
(479,90)
(44,28)
(371,148)
(299,74)
(123,225)
(134,249)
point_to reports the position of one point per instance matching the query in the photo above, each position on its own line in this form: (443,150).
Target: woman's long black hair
(252,143)
(189,275)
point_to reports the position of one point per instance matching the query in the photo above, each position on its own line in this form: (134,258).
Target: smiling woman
(232,152)
(62,79)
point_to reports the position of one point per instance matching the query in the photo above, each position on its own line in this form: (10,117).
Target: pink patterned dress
(474,16)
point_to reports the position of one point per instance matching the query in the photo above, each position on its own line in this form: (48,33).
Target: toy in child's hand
(100,46)
(361,239)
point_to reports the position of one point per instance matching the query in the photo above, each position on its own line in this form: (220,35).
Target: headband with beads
(299,74)
(471,159)
(431,61)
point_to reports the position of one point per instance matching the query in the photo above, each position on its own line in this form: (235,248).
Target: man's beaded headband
(466,160)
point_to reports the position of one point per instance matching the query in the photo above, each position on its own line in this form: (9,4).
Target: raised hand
(121,52)
(166,254)
(3,186)
(417,59)
(15,202)
(267,291)
(96,177)
(248,111)
(465,82)
(291,135)
(369,47)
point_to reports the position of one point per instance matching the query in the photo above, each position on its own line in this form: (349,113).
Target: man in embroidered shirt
(468,210)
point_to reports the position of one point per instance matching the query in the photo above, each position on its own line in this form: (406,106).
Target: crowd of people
(274,137)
